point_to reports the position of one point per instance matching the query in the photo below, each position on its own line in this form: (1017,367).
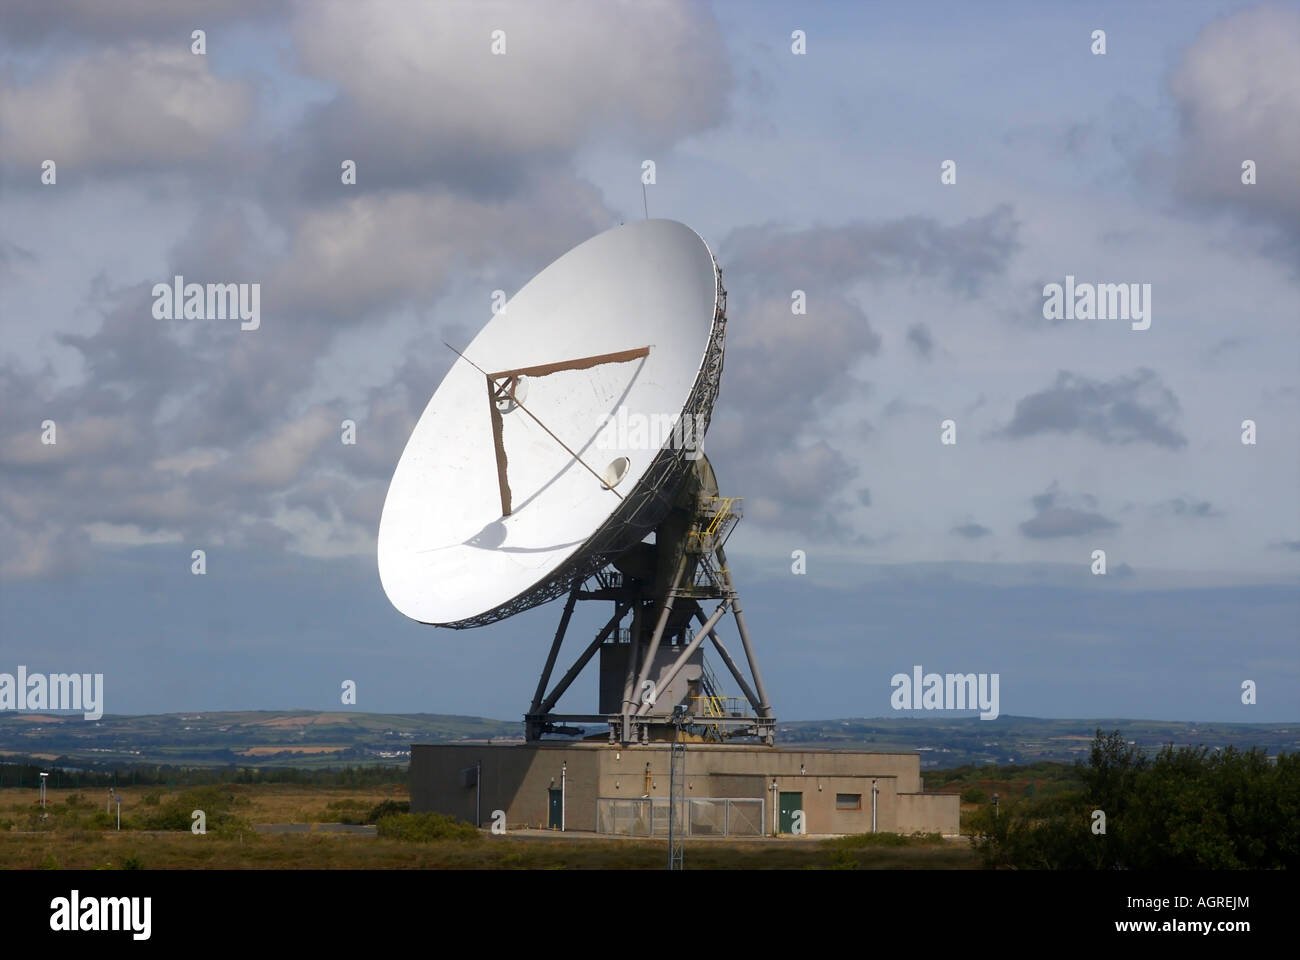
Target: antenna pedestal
(656,663)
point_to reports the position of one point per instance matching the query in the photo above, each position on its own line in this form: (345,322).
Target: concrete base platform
(611,789)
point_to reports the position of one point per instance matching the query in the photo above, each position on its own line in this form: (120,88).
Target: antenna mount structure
(511,491)
(654,665)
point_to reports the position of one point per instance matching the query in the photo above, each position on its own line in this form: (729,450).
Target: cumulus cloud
(1136,408)
(1060,515)
(572,71)
(365,253)
(1237,91)
(962,257)
(785,370)
(144,107)
(36,21)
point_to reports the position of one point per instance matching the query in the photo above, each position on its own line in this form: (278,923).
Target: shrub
(176,813)
(347,804)
(348,811)
(425,827)
(842,859)
(1184,809)
(386,807)
(974,795)
(885,839)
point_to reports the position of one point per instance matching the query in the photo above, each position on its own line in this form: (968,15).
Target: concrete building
(730,790)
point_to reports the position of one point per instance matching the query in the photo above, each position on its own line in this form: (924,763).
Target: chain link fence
(700,817)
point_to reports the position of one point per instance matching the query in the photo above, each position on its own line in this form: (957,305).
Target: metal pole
(874,791)
(691,647)
(478,794)
(564,778)
(672,794)
(677,792)
(765,705)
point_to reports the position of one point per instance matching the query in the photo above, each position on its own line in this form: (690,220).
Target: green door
(788,804)
(555,821)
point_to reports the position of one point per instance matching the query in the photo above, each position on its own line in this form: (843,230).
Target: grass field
(65,842)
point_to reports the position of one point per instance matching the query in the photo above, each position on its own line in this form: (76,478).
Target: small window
(848,801)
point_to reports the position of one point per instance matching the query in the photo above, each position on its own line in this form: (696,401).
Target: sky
(921,172)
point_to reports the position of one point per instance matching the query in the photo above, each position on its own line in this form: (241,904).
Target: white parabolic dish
(447,555)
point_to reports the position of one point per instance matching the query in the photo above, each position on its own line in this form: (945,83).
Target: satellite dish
(512,485)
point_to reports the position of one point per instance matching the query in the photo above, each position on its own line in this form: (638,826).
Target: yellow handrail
(718,517)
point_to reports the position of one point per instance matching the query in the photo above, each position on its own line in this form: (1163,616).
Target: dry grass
(328,851)
(268,803)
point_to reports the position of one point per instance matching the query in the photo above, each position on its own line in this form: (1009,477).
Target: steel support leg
(555,649)
(764,705)
(583,660)
(745,688)
(685,655)
(644,673)
(633,666)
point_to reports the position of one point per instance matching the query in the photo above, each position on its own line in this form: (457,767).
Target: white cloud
(147,106)
(1237,89)
(571,69)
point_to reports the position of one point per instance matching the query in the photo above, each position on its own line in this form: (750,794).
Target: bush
(842,859)
(974,795)
(348,804)
(347,811)
(386,807)
(1184,809)
(885,839)
(132,862)
(176,813)
(425,827)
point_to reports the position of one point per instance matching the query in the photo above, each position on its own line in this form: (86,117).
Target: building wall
(929,813)
(623,769)
(516,778)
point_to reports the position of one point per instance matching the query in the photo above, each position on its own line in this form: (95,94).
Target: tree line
(1187,808)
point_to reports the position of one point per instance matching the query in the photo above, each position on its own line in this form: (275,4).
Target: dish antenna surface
(564,434)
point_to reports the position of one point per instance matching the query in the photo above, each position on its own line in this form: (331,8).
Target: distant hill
(947,743)
(312,739)
(300,738)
